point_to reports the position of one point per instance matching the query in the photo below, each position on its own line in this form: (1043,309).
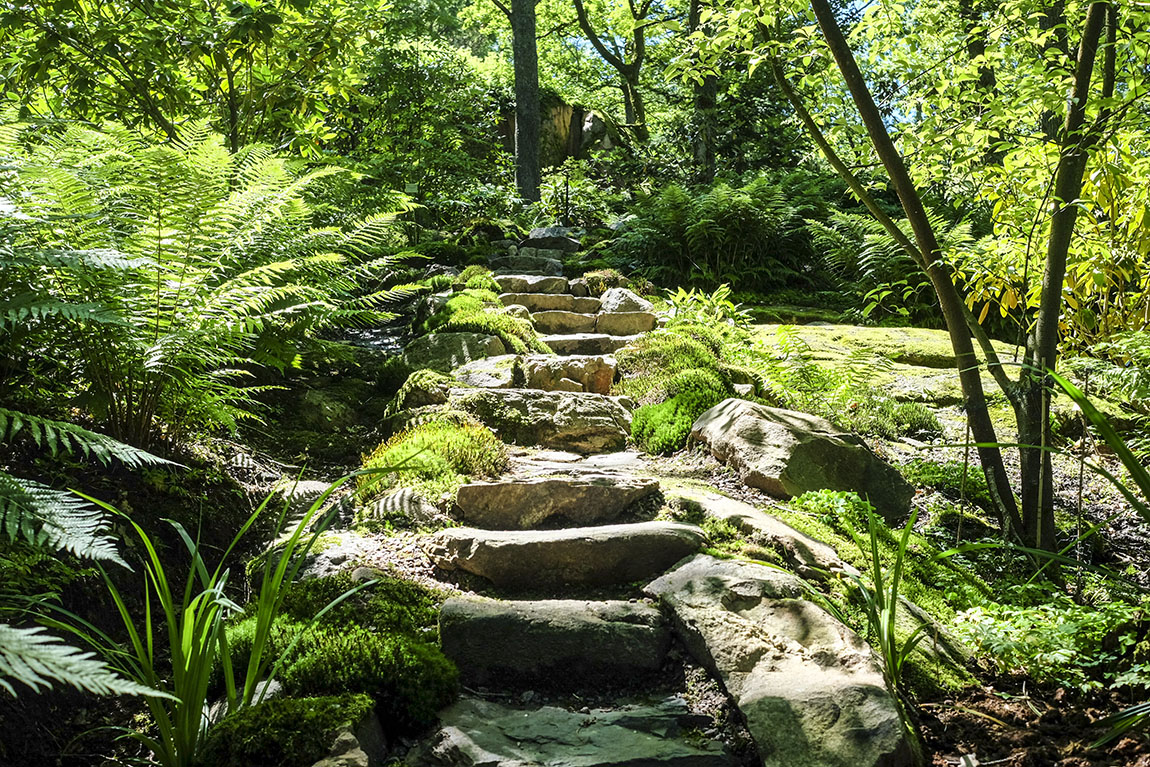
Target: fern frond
(61,436)
(36,659)
(54,518)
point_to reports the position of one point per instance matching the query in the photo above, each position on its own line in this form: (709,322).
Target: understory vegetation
(247,247)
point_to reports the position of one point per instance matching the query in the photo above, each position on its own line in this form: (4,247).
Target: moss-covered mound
(433,457)
(287,732)
(478,310)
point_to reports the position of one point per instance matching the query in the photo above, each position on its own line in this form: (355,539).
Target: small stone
(623,300)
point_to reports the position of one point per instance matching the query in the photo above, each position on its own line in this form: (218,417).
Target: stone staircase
(586,593)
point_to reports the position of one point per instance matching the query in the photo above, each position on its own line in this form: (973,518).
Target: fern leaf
(54,518)
(36,659)
(61,436)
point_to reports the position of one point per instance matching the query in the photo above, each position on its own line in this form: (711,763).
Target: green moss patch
(480,311)
(664,427)
(477,278)
(433,457)
(288,732)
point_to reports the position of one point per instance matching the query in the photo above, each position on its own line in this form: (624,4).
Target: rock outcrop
(577,501)
(576,421)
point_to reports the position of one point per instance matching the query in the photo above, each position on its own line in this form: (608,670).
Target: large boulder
(623,300)
(576,421)
(787,453)
(561,642)
(479,733)
(599,556)
(583,499)
(594,372)
(443,352)
(811,691)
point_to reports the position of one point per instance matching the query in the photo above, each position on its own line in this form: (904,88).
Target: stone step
(531,283)
(562,642)
(558,238)
(480,733)
(585,499)
(586,343)
(557,322)
(547,302)
(783,659)
(594,556)
(607,323)
(577,421)
(521,263)
(548,372)
(625,323)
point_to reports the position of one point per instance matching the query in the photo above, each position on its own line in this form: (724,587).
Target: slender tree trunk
(528,121)
(1033,408)
(635,108)
(704,102)
(953,309)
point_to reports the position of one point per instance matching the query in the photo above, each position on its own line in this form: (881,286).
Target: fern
(35,659)
(60,436)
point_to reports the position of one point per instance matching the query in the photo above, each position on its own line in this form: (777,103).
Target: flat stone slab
(594,372)
(563,642)
(811,691)
(625,323)
(600,556)
(576,421)
(479,733)
(584,499)
(787,453)
(586,343)
(547,302)
(531,283)
(557,322)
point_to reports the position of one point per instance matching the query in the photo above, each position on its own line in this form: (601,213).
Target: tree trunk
(528,122)
(953,309)
(634,107)
(704,102)
(1033,408)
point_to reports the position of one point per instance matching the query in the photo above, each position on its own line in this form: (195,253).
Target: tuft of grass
(946,477)
(476,278)
(601,280)
(434,457)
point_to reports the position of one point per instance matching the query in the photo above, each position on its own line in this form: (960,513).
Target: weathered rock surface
(478,733)
(525,261)
(531,283)
(363,746)
(586,343)
(564,643)
(579,288)
(811,558)
(563,322)
(623,300)
(811,691)
(443,352)
(576,421)
(595,373)
(490,373)
(604,555)
(787,453)
(559,238)
(624,323)
(548,302)
(577,501)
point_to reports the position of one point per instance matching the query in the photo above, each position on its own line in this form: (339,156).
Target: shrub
(889,419)
(436,456)
(290,732)
(410,680)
